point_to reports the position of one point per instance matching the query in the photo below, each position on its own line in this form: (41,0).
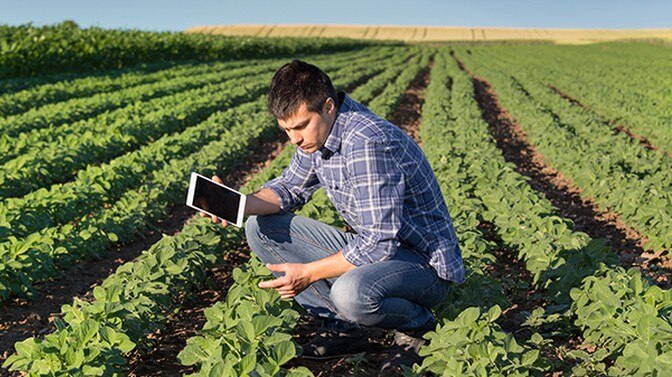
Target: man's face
(308,130)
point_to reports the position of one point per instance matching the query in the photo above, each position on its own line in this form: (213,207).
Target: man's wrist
(312,273)
(332,266)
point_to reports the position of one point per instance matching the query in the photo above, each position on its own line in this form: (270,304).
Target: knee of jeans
(252,228)
(350,298)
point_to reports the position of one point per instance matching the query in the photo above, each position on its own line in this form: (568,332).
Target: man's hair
(295,83)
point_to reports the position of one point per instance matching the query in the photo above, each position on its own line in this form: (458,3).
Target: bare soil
(408,115)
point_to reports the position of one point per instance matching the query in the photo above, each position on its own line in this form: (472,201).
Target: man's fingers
(277,267)
(225,223)
(286,293)
(276,283)
(217,179)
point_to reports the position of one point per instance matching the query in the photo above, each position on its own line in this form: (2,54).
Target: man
(404,255)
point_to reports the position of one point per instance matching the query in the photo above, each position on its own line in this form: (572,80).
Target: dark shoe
(329,344)
(405,349)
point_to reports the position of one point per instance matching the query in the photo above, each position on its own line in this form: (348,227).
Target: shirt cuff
(284,197)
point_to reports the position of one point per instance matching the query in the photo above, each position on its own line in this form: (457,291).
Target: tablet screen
(217,200)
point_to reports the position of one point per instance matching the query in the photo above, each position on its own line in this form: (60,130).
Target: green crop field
(555,162)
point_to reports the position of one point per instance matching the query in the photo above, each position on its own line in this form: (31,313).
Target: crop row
(563,263)
(57,162)
(56,114)
(468,340)
(614,170)
(49,162)
(42,253)
(105,183)
(626,84)
(130,103)
(68,112)
(376,85)
(30,50)
(134,301)
(40,95)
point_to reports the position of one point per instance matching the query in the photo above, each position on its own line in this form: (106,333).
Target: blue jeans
(392,294)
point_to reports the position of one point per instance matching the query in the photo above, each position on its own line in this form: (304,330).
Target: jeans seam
(300,237)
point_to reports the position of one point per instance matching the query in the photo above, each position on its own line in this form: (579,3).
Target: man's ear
(329,105)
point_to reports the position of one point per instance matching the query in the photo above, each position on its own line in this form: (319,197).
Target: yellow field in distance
(436,33)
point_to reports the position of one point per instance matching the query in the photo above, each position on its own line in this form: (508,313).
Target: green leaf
(190,355)
(27,348)
(262,323)
(469,315)
(530,357)
(247,331)
(247,364)
(89,370)
(283,352)
(299,372)
(126,345)
(494,313)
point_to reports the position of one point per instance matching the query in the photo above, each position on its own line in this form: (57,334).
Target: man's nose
(294,137)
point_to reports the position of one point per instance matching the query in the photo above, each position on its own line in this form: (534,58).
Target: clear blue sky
(178,15)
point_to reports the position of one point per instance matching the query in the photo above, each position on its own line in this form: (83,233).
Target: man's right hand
(216,219)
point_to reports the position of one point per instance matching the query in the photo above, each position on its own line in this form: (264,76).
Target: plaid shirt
(380,181)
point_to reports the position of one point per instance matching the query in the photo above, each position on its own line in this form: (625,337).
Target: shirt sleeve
(378,183)
(296,184)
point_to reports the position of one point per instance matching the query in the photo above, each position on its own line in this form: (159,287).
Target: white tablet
(215,199)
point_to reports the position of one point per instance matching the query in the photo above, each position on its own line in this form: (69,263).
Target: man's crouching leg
(393,294)
(287,238)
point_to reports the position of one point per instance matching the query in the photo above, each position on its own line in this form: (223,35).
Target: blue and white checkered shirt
(380,181)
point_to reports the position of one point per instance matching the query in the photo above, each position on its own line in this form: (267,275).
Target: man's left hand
(296,279)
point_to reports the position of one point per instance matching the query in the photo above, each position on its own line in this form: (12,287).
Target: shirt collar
(333,142)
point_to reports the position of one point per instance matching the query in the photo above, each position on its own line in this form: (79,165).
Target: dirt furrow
(516,281)
(567,198)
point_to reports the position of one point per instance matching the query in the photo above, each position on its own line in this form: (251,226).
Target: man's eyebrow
(299,124)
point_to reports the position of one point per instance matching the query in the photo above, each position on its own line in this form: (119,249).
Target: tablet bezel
(190,199)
